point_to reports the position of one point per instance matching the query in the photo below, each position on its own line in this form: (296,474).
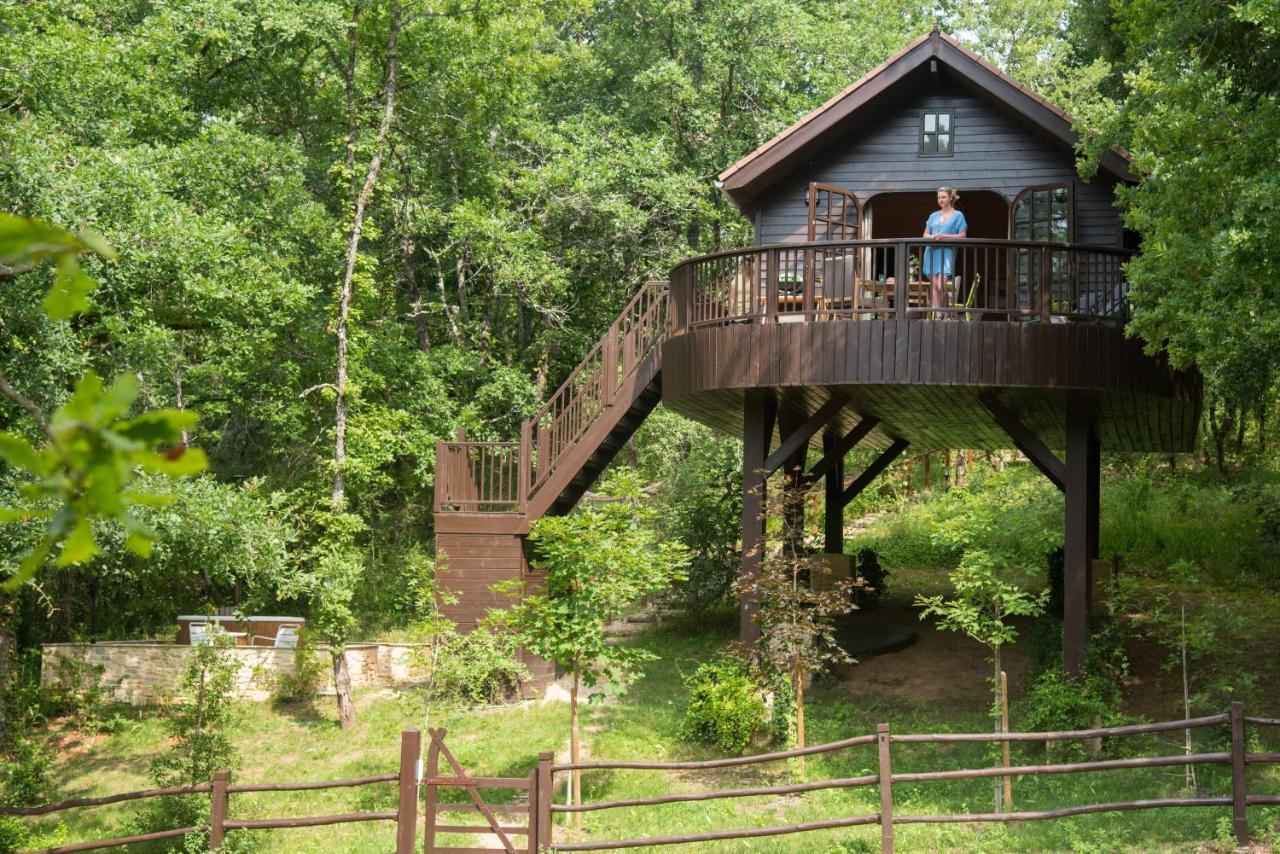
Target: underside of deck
(932,382)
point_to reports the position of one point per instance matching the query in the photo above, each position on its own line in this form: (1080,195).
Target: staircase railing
(501,477)
(556,428)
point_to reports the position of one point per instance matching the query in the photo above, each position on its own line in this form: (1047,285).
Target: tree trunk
(342,688)
(575,745)
(7,615)
(798,678)
(338,495)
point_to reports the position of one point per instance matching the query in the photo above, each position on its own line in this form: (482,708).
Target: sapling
(981,607)
(599,561)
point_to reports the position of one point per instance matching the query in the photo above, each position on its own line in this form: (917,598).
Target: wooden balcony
(1034,327)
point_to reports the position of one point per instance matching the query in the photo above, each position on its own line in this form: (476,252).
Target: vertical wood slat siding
(992,151)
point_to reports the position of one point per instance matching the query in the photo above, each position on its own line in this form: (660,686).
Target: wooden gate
(500,832)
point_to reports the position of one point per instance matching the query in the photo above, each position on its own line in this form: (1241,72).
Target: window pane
(1040,230)
(930,122)
(944,121)
(944,142)
(1058,227)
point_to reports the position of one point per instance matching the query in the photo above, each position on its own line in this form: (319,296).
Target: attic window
(936,133)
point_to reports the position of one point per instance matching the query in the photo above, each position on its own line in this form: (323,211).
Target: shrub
(726,705)
(308,674)
(13,834)
(480,668)
(1057,702)
(24,775)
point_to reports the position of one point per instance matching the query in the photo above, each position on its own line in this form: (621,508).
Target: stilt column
(1081,539)
(833,480)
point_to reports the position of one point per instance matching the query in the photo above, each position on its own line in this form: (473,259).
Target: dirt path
(941,666)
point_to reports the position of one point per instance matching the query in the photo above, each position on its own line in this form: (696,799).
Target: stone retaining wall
(144,672)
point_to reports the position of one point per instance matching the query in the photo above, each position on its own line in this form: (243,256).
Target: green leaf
(190,461)
(79,546)
(139,543)
(69,295)
(18,451)
(30,564)
(119,396)
(95,242)
(162,425)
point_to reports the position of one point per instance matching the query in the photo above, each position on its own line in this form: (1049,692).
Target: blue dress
(942,261)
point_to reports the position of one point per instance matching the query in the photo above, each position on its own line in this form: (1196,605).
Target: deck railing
(1004,280)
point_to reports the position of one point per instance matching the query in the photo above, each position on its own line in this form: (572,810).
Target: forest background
(347,230)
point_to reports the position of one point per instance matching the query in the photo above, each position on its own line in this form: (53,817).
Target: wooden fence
(539,784)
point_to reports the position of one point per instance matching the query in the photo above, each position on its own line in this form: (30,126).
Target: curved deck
(1037,328)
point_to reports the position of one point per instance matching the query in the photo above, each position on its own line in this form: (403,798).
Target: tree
(796,619)
(1197,108)
(599,561)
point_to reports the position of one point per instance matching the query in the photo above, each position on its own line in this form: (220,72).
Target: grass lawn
(934,686)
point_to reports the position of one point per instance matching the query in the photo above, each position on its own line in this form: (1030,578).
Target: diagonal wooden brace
(873,471)
(1026,441)
(837,453)
(801,436)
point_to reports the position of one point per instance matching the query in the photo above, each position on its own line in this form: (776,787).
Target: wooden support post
(429,816)
(1080,441)
(543,801)
(407,804)
(757,427)
(218,811)
(886,789)
(1004,745)
(833,480)
(1093,511)
(1239,799)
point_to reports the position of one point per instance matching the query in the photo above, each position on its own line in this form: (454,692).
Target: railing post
(1046,287)
(609,366)
(1239,796)
(526,463)
(901,284)
(771,286)
(544,793)
(407,807)
(886,790)
(429,812)
(218,812)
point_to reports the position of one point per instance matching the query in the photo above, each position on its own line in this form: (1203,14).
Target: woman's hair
(951,193)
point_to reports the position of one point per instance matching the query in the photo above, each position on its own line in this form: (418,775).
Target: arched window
(1042,213)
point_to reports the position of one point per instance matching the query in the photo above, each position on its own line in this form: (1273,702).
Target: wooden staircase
(487,493)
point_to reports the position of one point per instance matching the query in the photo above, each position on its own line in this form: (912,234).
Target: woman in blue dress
(946,223)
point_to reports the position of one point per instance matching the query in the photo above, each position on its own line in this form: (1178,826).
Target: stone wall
(145,672)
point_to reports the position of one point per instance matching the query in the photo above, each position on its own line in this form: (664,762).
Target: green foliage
(699,499)
(92,450)
(982,603)
(479,668)
(196,721)
(1057,702)
(726,704)
(24,775)
(308,673)
(598,562)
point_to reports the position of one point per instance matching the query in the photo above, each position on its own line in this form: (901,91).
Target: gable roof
(752,174)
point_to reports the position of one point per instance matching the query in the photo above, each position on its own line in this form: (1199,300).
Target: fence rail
(417,785)
(886,778)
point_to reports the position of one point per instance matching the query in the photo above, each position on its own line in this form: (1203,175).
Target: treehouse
(824,335)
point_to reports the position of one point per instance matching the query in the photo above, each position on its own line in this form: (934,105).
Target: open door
(835,214)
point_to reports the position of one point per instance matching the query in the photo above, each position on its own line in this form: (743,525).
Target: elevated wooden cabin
(822,334)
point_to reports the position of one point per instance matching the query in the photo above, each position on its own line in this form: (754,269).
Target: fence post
(218,813)
(543,807)
(886,790)
(429,814)
(1239,799)
(901,281)
(407,808)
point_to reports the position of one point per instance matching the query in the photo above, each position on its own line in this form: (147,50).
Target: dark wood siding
(923,379)
(992,152)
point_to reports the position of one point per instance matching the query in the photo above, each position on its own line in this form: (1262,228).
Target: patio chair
(287,637)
